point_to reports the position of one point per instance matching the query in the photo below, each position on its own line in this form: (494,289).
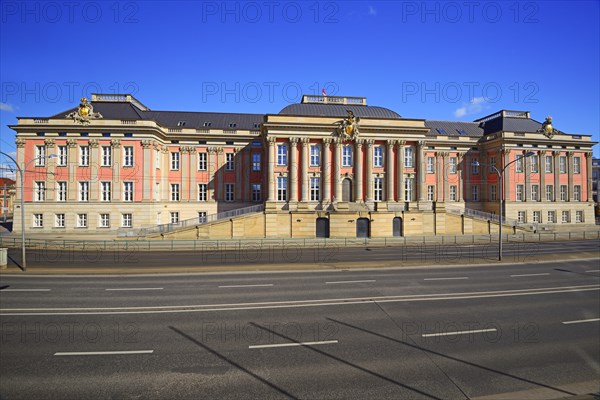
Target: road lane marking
(458,332)
(445,279)
(243,286)
(580,321)
(363,281)
(593,270)
(518,276)
(265,346)
(101,353)
(141,288)
(293,303)
(25,290)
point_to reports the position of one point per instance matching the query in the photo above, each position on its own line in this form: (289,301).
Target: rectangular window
(493,192)
(576,193)
(229,191)
(61,191)
(378,189)
(82,221)
(452,165)
(548,166)
(59,220)
(84,156)
(534,161)
(453,193)
(430,193)
(174,161)
(62,156)
(535,192)
(202,217)
(576,165)
(128,156)
(520,193)
(492,163)
(519,164)
(475,166)
(315,155)
(537,216)
(565,217)
(256,195)
(578,216)
(106,156)
(563,192)
(346,156)
(40,191)
(104,221)
(562,164)
(378,156)
(551,217)
(315,182)
(38,220)
(521,217)
(255,162)
(408,189)
(430,165)
(474,193)
(84,191)
(127,191)
(40,156)
(281,154)
(281,188)
(174,215)
(105,191)
(202,162)
(174,191)
(549,192)
(126,220)
(408,157)
(202,191)
(229,161)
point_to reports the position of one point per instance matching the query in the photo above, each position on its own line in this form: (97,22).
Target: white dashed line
(265,346)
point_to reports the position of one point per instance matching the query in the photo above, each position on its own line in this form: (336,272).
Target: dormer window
(207,124)
(461,131)
(181,123)
(441,131)
(232,124)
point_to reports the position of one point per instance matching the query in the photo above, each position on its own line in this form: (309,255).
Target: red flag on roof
(323,92)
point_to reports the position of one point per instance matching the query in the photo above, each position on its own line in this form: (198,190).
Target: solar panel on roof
(441,131)
(461,131)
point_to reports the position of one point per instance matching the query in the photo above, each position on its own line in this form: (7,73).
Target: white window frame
(548,166)
(229,162)
(377,156)
(549,192)
(378,189)
(39,191)
(564,217)
(576,165)
(551,217)
(315,186)
(315,155)
(203,161)
(537,217)
(174,217)
(82,220)
(106,156)
(59,220)
(174,194)
(493,193)
(282,188)
(256,192)
(84,156)
(256,162)
(229,192)
(409,154)
(126,220)
(521,217)
(104,220)
(534,163)
(63,155)
(409,186)
(563,192)
(128,156)
(430,165)
(84,191)
(128,191)
(38,220)
(519,164)
(61,191)
(105,191)
(520,193)
(576,192)
(430,193)
(535,192)
(475,166)
(562,164)
(282,154)
(347,156)
(578,216)
(202,191)
(40,156)
(452,165)
(453,193)
(202,217)
(474,193)
(175,161)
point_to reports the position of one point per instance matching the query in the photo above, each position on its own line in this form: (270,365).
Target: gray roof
(339,110)
(125,110)
(454,128)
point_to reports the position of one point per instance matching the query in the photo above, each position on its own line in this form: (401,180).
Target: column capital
(114,143)
(390,143)
(369,142)
(271,140)
(293,140)
(73,143)
(305,141)
(442,154)
(570,154)
(93,143)
(421,144)
(146,144)
(20,142)
(338,141)
(556,153)
(359,142)
(400,143)
(327,141)
(589,154)
(50,143)
(164,149)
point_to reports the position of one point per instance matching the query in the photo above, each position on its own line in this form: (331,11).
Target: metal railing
(163,228)
(481,215)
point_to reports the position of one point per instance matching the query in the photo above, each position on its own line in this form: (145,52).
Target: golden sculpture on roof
(84,113)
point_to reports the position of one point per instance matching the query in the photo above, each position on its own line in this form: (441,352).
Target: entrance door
(322,227)
(363,228)
(347,190)
(397,226)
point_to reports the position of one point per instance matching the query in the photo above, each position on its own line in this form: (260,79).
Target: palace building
(329,166)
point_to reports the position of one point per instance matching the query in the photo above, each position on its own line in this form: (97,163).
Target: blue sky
(435,60)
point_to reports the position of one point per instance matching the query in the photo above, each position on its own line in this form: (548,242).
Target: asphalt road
(211,256)
(524,330)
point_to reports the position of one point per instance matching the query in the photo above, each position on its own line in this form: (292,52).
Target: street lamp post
(22,181)
(500,174)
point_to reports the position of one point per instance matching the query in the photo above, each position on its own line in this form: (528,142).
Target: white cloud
(372,11)
(6,107)
(476,105)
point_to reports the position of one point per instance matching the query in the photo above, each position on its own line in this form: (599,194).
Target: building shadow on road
(428,351)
